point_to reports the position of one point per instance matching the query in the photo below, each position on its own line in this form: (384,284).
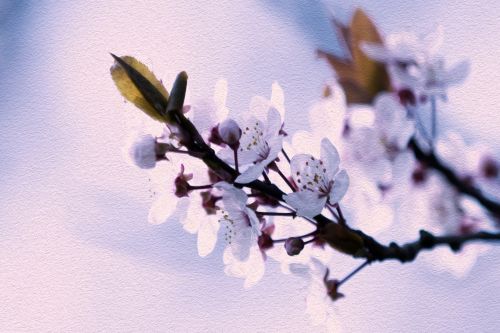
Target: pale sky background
(76,251)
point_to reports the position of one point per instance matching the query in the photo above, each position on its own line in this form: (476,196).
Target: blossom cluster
(296,198)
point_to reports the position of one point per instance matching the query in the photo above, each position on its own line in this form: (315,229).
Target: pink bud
(230,132)
(294,246)
(182,187)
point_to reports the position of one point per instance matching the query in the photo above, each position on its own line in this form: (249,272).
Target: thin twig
(430,160)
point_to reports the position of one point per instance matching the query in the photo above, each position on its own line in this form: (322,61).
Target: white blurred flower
(432,78)
(319,305)
(141,151)
(326,120)
(373,147)
(319,181)
(206,113)
(414,63)
(162,187)
(239,223)
(251,270)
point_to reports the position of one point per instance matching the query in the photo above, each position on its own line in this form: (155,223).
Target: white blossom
(260,145)
(240,225)
(373,147)
(319,181)
(319,306)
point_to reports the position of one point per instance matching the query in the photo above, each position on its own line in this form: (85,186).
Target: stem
(276,213)
(430,160)
(284,177)
(200,187)
(286,155)
(342,220)
(266,178)
(236,166)
(354,272)
(334,214)
(433,120)
(281,240)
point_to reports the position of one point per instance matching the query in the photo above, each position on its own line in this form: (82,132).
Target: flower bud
(489,167)
(142,151)
(230,132)
(265,241)
(208,202)
(181,182)
(294,246)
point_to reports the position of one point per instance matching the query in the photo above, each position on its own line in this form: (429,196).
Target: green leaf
(140,86)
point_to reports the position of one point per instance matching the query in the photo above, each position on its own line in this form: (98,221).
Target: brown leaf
(361,77)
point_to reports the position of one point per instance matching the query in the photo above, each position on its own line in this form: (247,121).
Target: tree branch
(427,241)
(430,160)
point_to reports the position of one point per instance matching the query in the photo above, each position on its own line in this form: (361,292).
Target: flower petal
(231,192)
(306,203)
(278,98)
(251,174)
(274,123)
(330,156)
(377,52)
(339,188)
(207,235)
(458,73)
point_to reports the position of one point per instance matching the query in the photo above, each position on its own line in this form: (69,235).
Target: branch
(427,241)
(431,160)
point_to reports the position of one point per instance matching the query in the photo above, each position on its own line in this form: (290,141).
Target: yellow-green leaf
(130,91)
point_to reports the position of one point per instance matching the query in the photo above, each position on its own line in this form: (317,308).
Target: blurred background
(76,251)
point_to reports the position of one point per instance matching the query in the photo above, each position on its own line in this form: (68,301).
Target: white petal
(220,96)
(330,156)
(163,208)
(227,155)
(278,99)
(231,192)
(240,245)
(203,115)
(306,203)
(339,188)
(330,111)
(275,146)
(433,41)
(458,73)
(207,235)
(377,52)
(251,174)
(274,123)
(254,222)
(259,107)
(298,163)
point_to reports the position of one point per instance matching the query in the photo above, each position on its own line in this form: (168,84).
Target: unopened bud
(265,241)
(142,151)
(181,182)
(294,246)
(230,132)
(489,167)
